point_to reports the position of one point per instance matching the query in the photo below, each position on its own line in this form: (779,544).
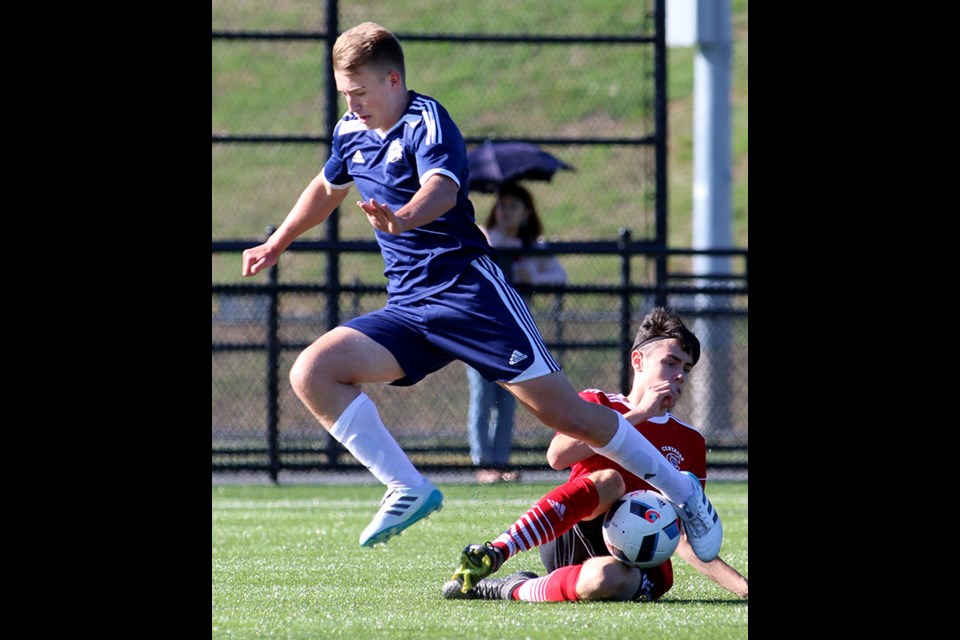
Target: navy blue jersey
(390,168)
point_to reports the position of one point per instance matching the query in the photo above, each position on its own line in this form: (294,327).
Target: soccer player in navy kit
(447,298)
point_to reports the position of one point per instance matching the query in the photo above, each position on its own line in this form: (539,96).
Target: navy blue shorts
(480,320)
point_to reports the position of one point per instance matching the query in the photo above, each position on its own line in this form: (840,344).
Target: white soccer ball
(641,529)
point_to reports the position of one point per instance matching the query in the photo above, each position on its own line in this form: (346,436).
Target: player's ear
(636,359)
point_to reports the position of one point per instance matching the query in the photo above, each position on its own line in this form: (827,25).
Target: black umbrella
(494,163)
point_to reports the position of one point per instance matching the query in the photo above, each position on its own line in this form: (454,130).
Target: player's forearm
(313,207)
(637,416)
(564,451)
(726,576)
(716,570)
(437,196)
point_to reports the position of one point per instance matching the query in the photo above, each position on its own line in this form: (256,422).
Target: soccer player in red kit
(566,523)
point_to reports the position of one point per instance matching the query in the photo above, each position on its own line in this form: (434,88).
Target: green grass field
(287,564)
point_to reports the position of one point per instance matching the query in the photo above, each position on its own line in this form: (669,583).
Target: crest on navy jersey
(395,152)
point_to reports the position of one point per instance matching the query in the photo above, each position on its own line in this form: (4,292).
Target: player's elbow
(555,461)
(443,190)
(449,201)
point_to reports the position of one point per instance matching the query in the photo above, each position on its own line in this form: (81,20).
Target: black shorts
(585,541)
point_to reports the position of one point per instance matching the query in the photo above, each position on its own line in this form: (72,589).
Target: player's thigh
(554,401)
(546,395)
(347,356)
(606,578)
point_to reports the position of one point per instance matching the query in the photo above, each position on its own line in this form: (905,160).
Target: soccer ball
(641,529)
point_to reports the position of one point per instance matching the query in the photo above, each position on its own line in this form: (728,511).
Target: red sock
(553,515)
(559,586)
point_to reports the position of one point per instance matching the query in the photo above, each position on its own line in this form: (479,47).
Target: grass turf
(287,564)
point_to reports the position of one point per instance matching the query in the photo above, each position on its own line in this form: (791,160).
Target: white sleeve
(547,269)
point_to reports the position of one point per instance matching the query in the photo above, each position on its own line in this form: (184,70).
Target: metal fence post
(625,312)
(273,368)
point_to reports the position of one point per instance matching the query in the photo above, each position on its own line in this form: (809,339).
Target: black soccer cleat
(488,588)
(477,562)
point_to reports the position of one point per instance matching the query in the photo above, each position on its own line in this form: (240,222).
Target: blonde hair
(368,44)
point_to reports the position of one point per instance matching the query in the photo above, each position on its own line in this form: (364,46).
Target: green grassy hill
(276,87)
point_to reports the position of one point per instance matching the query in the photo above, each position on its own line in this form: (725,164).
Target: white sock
(636,454)
(364,435)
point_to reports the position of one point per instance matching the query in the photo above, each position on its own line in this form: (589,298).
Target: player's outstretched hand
(381,216)
(657,398)
(257,259)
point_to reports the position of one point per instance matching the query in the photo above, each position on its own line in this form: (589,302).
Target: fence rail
(272,446)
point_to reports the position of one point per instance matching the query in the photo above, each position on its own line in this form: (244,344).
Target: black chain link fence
(585,84)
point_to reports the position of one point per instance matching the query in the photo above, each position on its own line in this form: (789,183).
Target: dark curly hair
(662,323)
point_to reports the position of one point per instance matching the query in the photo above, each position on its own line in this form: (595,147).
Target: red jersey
(679,442)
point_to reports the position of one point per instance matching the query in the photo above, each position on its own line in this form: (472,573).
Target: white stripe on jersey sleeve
(428,109)
(435,118)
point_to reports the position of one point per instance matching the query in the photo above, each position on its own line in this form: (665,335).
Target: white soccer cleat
(399,509)
(701,522)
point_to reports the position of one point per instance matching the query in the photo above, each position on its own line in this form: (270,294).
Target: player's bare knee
(298,376)
(303,374)
(606,578)
(609,484)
